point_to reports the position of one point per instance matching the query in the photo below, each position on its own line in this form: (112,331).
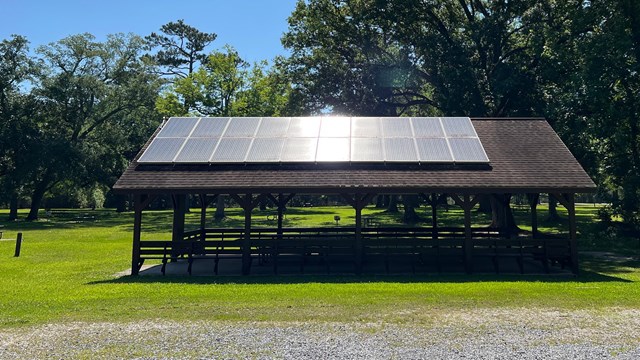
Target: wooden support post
(205,201)
(358,202)
(248,203)
(434,215)
(177,230)
(281,203)
(203,216)
(359,245)
(434,200)
(468,245)
(246,246)
(573,235)
(18,245)
(135,257)
(137,227)
(139,203)
(568,201)
(533,204)
(467,203)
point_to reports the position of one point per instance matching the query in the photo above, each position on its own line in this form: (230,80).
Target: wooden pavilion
(525,156)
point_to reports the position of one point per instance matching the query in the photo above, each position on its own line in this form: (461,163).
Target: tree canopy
(77,110)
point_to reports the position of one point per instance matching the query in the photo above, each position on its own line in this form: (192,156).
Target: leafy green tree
(452,57)
(97,102)
(226,85)
(267,93)
(344,59)
(17,126)
(593,95)
(483,57)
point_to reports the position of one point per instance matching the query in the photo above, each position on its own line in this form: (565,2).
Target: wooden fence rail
(332,246)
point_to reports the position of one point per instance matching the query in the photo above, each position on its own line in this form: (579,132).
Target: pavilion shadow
(586,276)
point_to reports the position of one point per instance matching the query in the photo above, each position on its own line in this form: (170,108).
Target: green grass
(66,273)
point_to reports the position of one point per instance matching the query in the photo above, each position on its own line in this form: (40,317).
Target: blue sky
(253,27)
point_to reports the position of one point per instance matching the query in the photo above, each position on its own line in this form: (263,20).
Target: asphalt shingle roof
(526,155)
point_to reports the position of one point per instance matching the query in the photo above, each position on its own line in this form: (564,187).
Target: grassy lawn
(67,273)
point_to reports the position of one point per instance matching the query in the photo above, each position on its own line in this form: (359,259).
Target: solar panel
(242,127)
(334,127)
(366,149)
(458,127)
(273,127)
(333,150)
(178,127)
(304,127)
(400,149)
(467,150)
(433,150)
(162,150)
(231,150)
(315,139)
(299,150)
(366,127)
(197,150)
(427,127)
(210,127)
(396,127)
(265,150)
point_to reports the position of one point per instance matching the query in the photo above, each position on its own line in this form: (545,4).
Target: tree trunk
(187,204)
(263,204)
(36,200)
(380,202)
(219,214)
(393,204)
(502,216)
(13,207)
(410,216)
(121,204)
(484,206)
(553,209)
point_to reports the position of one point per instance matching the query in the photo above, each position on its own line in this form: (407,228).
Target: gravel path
(471,334)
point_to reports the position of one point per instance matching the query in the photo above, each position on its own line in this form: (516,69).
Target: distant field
(66,273)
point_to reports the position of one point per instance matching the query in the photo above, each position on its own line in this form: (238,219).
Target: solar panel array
(190,140)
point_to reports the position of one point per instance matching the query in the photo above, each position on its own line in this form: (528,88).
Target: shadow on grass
(612,265)
(586,276)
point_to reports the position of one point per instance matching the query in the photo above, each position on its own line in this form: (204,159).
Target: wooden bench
(155,250)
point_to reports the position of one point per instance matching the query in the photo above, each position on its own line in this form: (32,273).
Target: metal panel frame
(383,133)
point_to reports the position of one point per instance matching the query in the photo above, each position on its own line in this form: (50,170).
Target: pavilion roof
(526,155)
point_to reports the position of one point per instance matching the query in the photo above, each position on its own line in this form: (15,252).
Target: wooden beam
(434,216)
(467,203)
(177,229)
(573,235)
(137,229)
(350,200)
(533,205)
(205,200)
(563,199)
(358,202)
(248,203)
(468,244)
(143,200)
(281,202)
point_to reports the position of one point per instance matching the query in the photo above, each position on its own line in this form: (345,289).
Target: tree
(452,57)
(345,59)
(181,48)
(96,99)
(594,95)
(17,126)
